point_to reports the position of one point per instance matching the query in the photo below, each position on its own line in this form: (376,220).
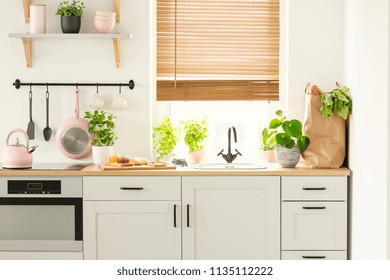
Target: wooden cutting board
(130,166)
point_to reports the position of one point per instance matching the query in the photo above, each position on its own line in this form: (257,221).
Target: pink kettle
(17,155)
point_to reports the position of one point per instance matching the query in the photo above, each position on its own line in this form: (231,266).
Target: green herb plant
(195,132)
(165,138)
(76,8)
(291,134)
(267,135)
(337,101)
(101,126)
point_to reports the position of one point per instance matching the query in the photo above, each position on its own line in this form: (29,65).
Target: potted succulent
(165,138)
(101,126)
(195,132)
(70,16)
(290,143)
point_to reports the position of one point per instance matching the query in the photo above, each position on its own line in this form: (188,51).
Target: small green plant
(337,101)
(101,127)
(195,132)
(268,134)
(292,133)
(74,9)
(164,138)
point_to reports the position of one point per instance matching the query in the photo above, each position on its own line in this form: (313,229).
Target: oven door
(41,224)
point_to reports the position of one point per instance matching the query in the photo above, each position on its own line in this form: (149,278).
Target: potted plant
(165,138)
(290,143)
(101,126)
(70,16)
(195,132)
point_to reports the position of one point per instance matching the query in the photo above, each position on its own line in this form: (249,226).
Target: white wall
(77,61)
(367,74)
(315,48)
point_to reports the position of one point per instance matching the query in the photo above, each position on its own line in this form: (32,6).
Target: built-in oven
(41,214)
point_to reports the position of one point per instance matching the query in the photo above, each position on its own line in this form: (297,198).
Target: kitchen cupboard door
(132,230)
(234,217)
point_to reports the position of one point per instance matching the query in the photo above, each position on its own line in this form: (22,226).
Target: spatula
(31,125)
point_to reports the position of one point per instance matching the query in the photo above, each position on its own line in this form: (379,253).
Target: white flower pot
(101,154)
(197,157)
(288,157)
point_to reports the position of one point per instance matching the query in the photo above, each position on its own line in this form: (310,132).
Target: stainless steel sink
(229,166)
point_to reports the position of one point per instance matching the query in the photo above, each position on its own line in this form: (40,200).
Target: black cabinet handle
(313,189)
(188,215)
(174,215)
(132,188)
(314,207)
(313,257)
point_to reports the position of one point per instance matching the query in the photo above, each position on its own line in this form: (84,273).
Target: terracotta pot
(267,156)
(288,157)
(197,157)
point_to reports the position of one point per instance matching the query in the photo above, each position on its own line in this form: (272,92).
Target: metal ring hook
(30,88)
(77,86)
(97,88)
(120,88)
(47,87)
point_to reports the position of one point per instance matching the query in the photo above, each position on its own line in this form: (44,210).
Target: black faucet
(229,157)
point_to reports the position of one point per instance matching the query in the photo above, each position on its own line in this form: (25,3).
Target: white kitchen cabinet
(314,217)
(41,255)
(234,217)
(132,218)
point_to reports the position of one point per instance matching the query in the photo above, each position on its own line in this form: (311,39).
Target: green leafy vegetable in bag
(337,101)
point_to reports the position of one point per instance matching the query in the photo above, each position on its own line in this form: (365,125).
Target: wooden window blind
(217,50)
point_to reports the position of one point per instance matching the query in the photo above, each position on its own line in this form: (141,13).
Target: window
(217,50)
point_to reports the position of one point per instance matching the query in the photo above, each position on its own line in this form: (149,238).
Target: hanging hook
(77,86)
(120,88)
(97,88)
(30,88)
(47,90)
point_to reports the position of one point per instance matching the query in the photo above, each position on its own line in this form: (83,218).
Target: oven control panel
(34,186)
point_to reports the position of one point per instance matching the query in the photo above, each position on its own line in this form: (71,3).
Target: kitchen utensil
(47,130)
(72,136)
(96,101)
(119,102)
(31,125)
(17,155)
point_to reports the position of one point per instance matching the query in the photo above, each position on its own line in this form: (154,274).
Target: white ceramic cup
(37,18)
(96,102)
(119,102)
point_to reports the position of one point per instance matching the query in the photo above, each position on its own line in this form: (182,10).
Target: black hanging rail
(19,84)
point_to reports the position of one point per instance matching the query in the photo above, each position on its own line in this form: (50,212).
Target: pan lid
(75,140)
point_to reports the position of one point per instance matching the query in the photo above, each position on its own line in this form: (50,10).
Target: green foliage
(267,135)
(164,138)
(74,9)
(101,127)
(291,135)
(195,132)
(337,101)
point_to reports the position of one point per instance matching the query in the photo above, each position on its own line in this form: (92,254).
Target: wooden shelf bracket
(27,51)
(26,8)
(116,52)
(117,9)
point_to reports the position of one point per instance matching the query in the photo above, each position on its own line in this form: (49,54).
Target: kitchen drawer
(314,188)
(314,255)
(41,255)
(132,188)
(314,226)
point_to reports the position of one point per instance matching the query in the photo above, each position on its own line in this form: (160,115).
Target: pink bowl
(104,26)
(105,14)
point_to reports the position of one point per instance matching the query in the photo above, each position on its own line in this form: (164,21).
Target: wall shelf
(26,9)
(28,37)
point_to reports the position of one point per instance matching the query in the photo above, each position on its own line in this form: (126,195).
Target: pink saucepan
(72,136)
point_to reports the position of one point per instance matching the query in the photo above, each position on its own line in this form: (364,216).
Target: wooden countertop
(273,170)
